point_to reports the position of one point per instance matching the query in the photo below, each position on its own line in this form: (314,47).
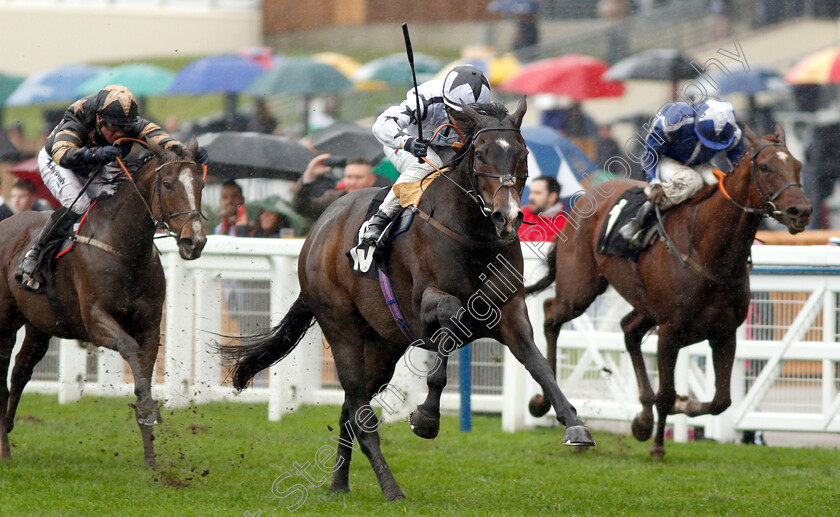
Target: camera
(336,161)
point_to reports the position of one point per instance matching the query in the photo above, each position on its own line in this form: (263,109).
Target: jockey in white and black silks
(396,129)
(685,144)
(80,145)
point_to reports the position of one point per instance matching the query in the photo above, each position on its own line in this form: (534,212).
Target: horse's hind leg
(635,325)
(348,349)
(32,350)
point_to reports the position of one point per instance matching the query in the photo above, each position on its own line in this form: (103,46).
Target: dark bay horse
(109,292)
(438,269)
(706,301)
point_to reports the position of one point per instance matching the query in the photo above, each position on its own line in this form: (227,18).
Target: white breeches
(680,182)
(65,185)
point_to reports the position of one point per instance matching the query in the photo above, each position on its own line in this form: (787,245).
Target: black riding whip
(410,53)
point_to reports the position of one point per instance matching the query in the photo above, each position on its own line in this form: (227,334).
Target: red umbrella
(574,75)
(28,170)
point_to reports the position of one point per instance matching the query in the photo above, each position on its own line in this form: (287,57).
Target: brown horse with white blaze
(110,289)
(705,300)
(467,222)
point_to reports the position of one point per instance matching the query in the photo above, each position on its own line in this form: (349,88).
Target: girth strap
(98,244)
(437,225)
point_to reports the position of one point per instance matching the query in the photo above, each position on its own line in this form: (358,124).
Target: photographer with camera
(316,189)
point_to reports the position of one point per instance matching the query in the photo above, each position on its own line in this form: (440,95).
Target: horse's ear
(192,148)
(780,134)
(752,138)
(519,113)
(155,148)
(467,118)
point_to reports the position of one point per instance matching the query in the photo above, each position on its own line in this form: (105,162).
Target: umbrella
(574,75)
(496,68)
(263,56)
(28,170)
(344,64)
(552,154)
(350,140)
(8,83)
(142,79)
(8,152)
(55,85)
(821,67)
(300,76)
(215,74)
(394,69)
(513,7)
(750,83)
(254,155)
(654,65)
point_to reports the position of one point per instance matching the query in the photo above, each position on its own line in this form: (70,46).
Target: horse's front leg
(516,333)
(149,343)
(103,330)
(723,357)
(440,315)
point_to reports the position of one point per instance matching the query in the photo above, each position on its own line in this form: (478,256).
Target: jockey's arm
(655,144)
(151,132)
(392,126)
(736,154)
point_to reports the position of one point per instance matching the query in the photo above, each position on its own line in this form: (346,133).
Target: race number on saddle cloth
(416,155)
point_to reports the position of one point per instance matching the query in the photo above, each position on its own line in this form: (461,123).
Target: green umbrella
(387,169)
(142,79)
(394,69)
(300,76)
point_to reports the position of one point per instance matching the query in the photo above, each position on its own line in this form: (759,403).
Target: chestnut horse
(437,269)
(109,291)
(706,300)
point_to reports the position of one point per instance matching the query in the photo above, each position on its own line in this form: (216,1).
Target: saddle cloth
(366,260)
(58,246)
(625,208)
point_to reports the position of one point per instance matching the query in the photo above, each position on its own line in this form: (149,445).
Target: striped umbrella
(821,67)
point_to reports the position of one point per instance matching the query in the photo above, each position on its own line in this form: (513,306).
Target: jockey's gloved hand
(105,154)
(416,147)
(657,194)
(201,155)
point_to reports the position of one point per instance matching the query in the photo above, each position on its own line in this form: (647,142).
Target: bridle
(769,208)
(506,180)
(161,223)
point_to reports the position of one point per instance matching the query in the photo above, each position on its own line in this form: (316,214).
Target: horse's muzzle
(507,224)
(190,247)
(797,217)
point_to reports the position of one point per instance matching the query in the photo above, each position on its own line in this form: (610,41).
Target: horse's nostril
(498,218)
(794,211)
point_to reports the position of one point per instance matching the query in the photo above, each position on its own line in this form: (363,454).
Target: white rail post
(283,378)
(829,391)
(72,366)
(681,385)
(208,327)
(180,298)
(514,393)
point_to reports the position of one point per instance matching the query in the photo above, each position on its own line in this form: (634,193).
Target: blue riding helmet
(714,124)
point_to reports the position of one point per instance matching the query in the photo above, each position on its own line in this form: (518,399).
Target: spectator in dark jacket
(315,192)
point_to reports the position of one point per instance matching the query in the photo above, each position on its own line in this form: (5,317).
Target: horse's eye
(167,185)
(763,168)
(479,155)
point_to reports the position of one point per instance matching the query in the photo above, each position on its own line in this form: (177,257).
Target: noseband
(769,207)
(506,180)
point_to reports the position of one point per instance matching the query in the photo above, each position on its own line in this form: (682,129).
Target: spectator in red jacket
(544,209)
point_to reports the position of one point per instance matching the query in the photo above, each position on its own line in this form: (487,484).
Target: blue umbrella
(55,85)
(215,74)
(755,81)
(512,7)
(552,154)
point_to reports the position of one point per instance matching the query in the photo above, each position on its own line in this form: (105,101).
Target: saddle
(625,208)
(366,260)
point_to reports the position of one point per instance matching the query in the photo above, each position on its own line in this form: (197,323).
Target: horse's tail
(548,279)
(258,352)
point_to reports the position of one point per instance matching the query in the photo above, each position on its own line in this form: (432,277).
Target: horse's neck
(725,232)
(123,221)
(454,208)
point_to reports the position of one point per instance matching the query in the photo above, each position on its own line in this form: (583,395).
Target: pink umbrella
(574,75)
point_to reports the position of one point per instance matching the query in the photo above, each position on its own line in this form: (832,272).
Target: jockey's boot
(631,231)
(26,269)
(372,229)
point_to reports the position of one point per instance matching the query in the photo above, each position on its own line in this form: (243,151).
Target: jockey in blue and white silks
(684,145)
(396,129)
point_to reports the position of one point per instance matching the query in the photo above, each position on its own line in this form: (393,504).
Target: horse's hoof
(151,463)
(578,435)
(339,489)
(424,426)
(394,494)
(657,452)
(538,406)
(642,427)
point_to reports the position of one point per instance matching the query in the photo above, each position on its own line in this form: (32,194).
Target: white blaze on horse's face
(187,178)
(508,160)
(191,238)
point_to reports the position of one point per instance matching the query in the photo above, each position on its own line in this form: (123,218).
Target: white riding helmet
(465,84)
